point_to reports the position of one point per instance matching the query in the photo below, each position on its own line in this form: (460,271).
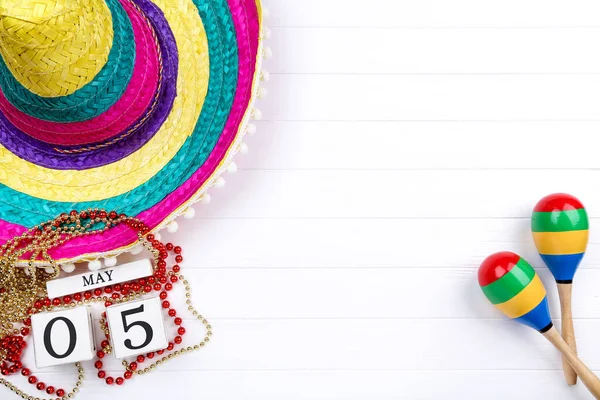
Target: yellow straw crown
(54,48)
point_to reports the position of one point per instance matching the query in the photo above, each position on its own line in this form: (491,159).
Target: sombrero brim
(153,161)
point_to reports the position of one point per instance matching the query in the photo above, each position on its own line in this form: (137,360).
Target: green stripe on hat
(510,284)
(560,221)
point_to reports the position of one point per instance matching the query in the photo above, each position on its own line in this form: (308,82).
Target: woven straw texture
(148,158)
(55,48)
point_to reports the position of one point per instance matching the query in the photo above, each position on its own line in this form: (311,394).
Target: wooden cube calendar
(62,337)
(137,327)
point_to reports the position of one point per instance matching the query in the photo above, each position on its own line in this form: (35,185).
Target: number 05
(146,326)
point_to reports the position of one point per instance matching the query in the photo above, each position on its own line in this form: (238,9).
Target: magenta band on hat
(243,11)
(129,108)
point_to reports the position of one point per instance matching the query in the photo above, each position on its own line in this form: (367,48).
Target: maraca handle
(567,329)
(589,379)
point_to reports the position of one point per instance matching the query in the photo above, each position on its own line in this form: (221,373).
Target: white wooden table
(402,142)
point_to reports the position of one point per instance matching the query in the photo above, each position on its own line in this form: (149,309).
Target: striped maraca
(560,231)
(513,286)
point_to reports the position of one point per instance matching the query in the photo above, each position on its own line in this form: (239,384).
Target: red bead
(178,339)
(101,374)
(150,355)
(176,268)
(168,287)
(100,354)
(128,374)
(133,366)
(157,286)
(126,286)
(60,393)
(147,288)
(104,344)
(24,331)
(178,321)
(102,214)
(110,380)
(50,389)
(162,279)
(170,347)
(77,296)
(83,215)
(172,313)
(98,292)
(27,322)
(98,364)
(142,282)
(163,295)
(151,280)
(41,386)
(108,289)
(169,246)
(47,302)
(25,372)
(56,302)
(108,303)
(150,237)
(117,287)
(113,214)
(177,250)
(181,330)
(179,259)
(32,379)
(115,296)
(38,304)
(166,304)
(141,359)
(174,278)
(135,287)
(68,299)
(73,213)
(120,381)
(93,215)
(160,352)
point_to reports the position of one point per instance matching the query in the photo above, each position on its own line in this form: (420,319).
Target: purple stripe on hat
(43,154)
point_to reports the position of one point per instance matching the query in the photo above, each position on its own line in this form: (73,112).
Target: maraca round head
(512,285)
(560,231)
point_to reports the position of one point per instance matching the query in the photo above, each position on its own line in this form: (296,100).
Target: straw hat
(135,106)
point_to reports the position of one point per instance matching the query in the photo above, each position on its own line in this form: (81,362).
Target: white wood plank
(434,51)
(369,145)
(433,97)
(350,385)
(373,344)
(347,293)
(357,243)
(400,194)
(427,13)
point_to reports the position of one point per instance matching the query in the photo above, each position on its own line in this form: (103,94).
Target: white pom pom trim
(172,227)
(232,168)
(189,213)
(110,261)
(94,265)
(68,268)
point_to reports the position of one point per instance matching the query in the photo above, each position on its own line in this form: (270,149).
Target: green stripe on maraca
(560,221)
(511,284)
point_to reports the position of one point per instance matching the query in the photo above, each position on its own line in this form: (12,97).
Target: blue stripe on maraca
(538,318)
(563,267)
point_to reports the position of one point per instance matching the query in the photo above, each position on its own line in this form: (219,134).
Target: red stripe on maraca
(496,266)
(558,202)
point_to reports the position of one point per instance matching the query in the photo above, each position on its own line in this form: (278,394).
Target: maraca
(513,286)
(560,231)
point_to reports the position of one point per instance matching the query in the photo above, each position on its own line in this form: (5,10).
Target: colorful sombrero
(135,106)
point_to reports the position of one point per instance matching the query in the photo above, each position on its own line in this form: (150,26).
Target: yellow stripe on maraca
(561,243)
(525,301)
